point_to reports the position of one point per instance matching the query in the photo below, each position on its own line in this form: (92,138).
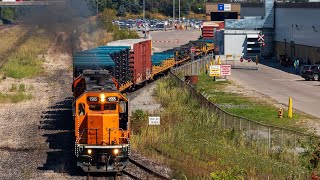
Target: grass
(253,108)
(14,97)
(192,144)
(9,38)
(17,93)
(25,61)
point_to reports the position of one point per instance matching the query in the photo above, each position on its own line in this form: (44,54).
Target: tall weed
(195,146)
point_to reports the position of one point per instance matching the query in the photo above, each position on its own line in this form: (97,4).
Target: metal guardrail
(279,142)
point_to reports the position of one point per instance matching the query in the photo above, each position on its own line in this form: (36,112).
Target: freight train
(100,108)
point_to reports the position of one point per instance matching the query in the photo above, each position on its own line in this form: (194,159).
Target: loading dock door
(221,16)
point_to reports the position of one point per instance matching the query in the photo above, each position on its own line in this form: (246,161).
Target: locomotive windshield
(95,107)
(110,107)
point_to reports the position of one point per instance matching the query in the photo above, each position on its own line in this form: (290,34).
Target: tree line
(164,7)
(124,7)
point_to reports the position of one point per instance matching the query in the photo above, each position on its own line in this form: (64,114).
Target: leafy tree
(8,13)
(106,18)
(153,6)
(121,10)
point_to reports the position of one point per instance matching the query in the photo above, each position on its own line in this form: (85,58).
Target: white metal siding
(235,44)
(304,18)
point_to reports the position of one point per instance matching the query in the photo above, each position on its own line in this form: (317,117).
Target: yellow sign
(214,70)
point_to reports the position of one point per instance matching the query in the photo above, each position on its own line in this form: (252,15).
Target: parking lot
(156,24)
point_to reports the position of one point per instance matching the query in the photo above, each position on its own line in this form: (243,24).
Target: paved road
(269,81)
(280,85)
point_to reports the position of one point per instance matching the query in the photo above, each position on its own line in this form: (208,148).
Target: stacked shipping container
(139,58)
(210,27)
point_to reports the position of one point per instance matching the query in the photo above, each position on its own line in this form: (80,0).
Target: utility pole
(179,10)
(144,10)
(174,11)
(97,7)
(144,19)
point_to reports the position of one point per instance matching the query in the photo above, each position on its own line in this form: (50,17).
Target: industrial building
(291,29)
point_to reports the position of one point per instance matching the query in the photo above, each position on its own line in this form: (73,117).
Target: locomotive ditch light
(89,151)
(102,98)
(116,151)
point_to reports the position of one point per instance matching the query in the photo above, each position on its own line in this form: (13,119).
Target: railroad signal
(261,40)
(261,37)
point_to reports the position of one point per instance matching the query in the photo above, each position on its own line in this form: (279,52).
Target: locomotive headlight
(116,151)
(102,98)
(89,151)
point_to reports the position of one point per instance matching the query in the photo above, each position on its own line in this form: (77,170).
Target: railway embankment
(206,124)
(192,141)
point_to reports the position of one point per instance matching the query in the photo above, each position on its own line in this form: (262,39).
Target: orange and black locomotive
(101,123)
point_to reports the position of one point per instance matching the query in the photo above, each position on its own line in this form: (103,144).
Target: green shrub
(138,119)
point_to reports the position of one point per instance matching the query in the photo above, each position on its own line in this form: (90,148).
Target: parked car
(310,72)
(160,26)
(317,73)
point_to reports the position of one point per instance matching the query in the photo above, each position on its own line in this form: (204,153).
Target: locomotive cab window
(123,106)
(81,109)
(110,107)
(95,107)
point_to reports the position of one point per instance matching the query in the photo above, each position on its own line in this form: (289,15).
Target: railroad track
(145,169)
(150,173)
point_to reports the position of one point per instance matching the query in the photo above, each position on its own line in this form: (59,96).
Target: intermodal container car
(139,58)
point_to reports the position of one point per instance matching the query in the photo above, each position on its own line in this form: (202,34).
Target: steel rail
(147,169)
(131,175)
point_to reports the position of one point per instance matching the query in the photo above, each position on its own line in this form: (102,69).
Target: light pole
(97,7)
(179,11)
(144,8)
(144,19)
(174,11)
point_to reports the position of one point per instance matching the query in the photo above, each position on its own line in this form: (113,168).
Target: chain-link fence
(276,142)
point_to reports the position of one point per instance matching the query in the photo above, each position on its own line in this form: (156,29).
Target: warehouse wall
(303,33)
(301,51)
